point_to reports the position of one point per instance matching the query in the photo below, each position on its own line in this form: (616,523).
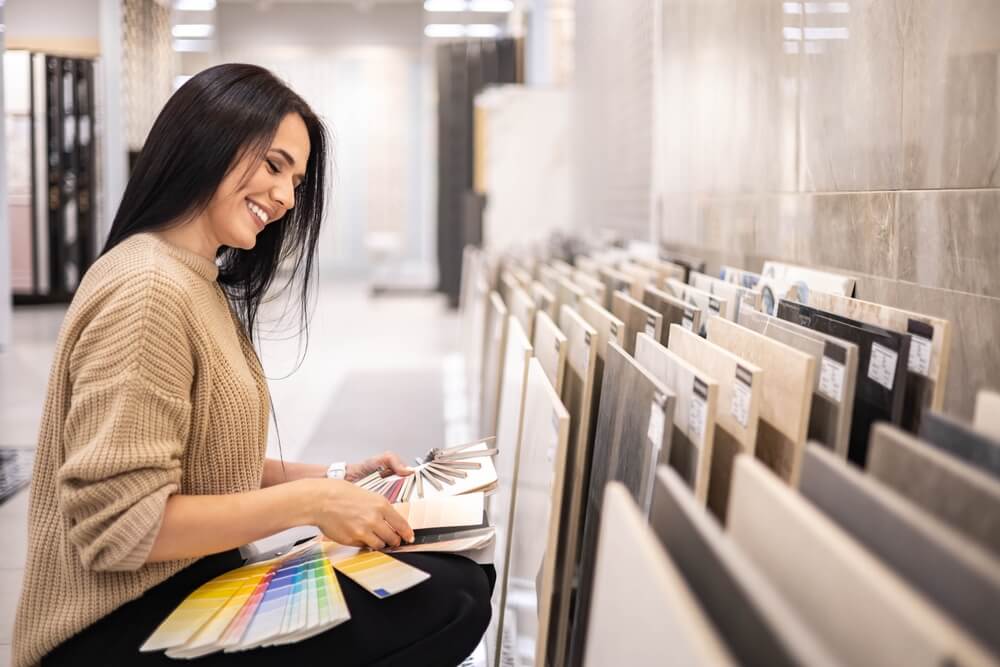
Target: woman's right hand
(349,514)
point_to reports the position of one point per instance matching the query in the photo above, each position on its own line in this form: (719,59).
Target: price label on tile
(688,321)
(613,328)
(882,365)
(651,328)
(921,335)
(698,412)
(740,404)
(714,305)
(656,423)
(831,379)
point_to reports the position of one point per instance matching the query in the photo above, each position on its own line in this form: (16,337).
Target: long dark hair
(217,117)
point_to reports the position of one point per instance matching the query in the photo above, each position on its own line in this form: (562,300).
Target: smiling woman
(150,468)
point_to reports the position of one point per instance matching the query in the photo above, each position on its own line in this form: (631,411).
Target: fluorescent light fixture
(827,8)
(827,33)
(193,30)
(791,33)
(482,30)
(444,5)
(494,6)
(194,5)
(192,45)
(792,7)
(444,30)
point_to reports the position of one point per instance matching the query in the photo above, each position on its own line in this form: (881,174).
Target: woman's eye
(272,167)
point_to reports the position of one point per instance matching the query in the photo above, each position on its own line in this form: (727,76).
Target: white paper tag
(714,305)
(697,414)
(740,407)
(831,379)
(882,365)
(651,331)
(920,355)
(688,321)
(655,430)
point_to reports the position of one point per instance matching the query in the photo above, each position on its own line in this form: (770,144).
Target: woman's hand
(348,514)
(388,462)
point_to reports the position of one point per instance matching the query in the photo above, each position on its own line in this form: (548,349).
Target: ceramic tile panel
(672,311)
(640,275)
(568,293)
(614,281)
(986,418)
(949,239)
(545,300)
(737,420)
(496,337)
(836,360)
(951,94)
(550,349)
(955,573)
(757,624)
(850,139)
(963,496)
(530,572)
(835,584)
(697,398)
(637,317)
(522,308)
(548,277)
(591,286)
(635,573)
(710,306)
(662,268)
(962,441)
(786,394)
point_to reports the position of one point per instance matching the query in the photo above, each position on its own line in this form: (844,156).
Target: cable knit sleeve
(127,425)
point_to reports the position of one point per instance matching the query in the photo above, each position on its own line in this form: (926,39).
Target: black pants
(437,623)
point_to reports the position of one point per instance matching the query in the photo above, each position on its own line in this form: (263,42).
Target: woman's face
(240,210)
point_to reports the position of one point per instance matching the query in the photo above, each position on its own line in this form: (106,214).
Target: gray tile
(961,440)
(852,232)
(949,239)
(951,93)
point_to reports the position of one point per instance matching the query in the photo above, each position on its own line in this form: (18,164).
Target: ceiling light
(194,5)
(189,45)
(193,30)
(482,30)
(495,6)
(444,30)
(444,5)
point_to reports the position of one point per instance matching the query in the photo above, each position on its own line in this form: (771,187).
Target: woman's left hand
(388,462)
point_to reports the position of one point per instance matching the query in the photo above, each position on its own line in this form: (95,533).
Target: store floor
(372,379)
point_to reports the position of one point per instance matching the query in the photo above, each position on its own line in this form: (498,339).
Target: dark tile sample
(955,573)
(961,440)
(623,451)
(672,311)
(637,317)
(614,281)
(873,401)
(756,623)
(959,494)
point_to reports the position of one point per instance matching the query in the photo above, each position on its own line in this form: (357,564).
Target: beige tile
(852,232)
(951,93)
(950,239)
(851,99)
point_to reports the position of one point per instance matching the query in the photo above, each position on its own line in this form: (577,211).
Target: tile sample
(688,262)
(987,416)
(672,310)
(568,293)
(522,308)
(637,318)
(563,268)
(550,348)
(631,437)
(548,277)
(740,297)
(962,441)
(474,337)
(496,338)
(578,397)
(861,610)
(587,265)
(635,573)
(697,396)
(545,300)
(806,280)
(745,279)
(711,306)
(956,574)
(738,408)
(836,377)
(614,281)
(508,283)
(757,624)
(786,394)
(609,329)
(965,497)
(663,269)
(930,348)
(640,275)
(882,356)
(529,575)
(590,285)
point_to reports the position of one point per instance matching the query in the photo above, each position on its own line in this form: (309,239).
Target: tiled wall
(862,136)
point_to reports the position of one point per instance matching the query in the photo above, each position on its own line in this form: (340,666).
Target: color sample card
(443,511)
(379,574)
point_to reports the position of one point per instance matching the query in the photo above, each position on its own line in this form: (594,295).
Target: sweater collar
(203,266)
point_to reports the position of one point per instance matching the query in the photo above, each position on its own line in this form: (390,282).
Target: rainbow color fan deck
(444,471)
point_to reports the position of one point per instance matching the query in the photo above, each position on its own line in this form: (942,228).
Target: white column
(6,311)
(113,151)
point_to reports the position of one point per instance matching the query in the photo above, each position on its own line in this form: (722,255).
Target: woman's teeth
(258,211)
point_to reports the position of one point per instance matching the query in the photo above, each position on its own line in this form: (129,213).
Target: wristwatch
(337,470)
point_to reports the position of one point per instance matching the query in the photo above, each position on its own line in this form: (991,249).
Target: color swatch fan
(277,601)
(447,471)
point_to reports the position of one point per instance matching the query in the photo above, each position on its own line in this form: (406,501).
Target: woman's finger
(394,463)
(387,534)
(373,541)
(398,524)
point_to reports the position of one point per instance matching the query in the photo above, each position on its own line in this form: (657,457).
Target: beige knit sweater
(153,391)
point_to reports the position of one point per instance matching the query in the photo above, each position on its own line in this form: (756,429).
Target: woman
(150,469)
